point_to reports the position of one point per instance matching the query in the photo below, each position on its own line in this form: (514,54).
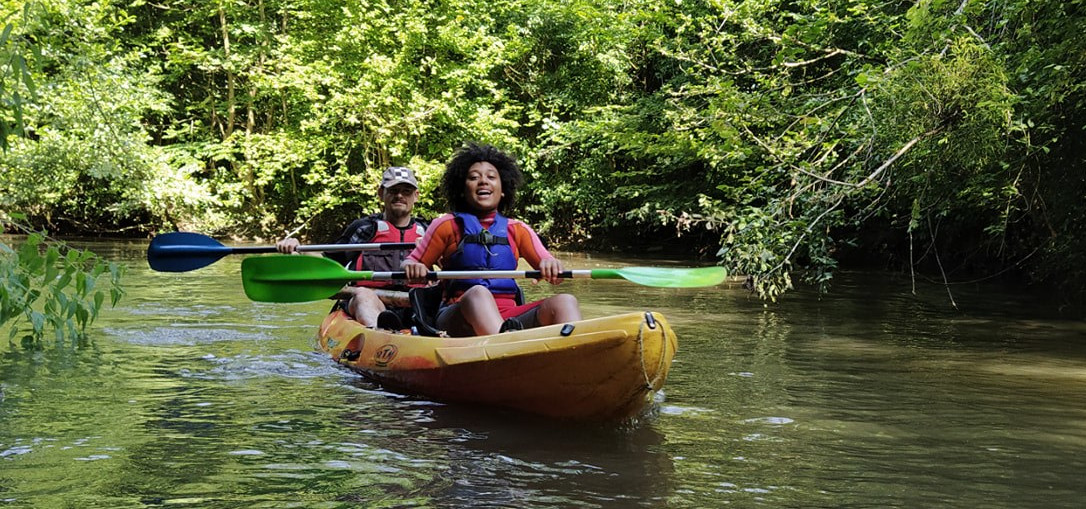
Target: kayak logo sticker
(384,355)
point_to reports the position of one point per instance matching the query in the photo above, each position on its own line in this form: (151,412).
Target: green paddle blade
(665,277)
(294,278)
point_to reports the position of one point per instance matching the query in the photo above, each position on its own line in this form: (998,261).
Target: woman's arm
(431,249)
(530,247)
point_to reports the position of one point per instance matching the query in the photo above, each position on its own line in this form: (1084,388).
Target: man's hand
(414,271)
(288,245)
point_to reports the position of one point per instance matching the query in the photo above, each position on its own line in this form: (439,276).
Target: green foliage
(784,136)
(52,287)
(799,130)
(310,101)
(745,102)
(17,85)
(86,162)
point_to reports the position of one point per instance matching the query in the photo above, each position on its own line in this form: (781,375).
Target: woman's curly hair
(456,174)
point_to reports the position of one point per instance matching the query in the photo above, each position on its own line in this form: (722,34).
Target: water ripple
(185,335)
(291,364)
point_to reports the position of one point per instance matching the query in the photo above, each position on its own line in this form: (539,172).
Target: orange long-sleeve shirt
(443,237)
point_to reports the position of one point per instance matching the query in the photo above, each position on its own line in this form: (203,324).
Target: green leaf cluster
(16,78)
(46,286)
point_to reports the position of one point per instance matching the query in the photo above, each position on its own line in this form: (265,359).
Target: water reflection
(465,457)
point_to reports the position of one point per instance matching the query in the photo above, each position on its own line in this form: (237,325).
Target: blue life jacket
(482,249)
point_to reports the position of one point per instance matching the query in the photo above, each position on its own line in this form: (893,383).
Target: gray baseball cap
(399,175)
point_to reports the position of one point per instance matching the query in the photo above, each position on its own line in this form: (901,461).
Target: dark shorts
(406,315)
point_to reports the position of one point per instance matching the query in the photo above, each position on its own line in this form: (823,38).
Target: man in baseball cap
(399,190)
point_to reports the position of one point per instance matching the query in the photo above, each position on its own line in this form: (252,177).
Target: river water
(190,395)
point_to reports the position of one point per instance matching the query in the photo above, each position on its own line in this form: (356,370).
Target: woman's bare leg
(561,308)
(476,313)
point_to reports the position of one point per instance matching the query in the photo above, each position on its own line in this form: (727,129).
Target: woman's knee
(565,300)
(562,308)
(478,295)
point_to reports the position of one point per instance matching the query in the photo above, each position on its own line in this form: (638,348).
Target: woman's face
(483,187)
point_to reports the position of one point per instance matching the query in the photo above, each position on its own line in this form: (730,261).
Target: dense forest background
(779,138)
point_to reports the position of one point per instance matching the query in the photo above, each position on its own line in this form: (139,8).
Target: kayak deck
(598,369)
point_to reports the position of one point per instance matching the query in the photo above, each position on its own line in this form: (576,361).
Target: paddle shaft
(187,250)
(285,278)
(474,274)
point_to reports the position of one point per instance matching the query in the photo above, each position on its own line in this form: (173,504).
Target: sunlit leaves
(17,82)
(87,159)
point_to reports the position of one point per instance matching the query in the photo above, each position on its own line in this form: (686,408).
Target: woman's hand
(415,271)
(550,269)
(288,245)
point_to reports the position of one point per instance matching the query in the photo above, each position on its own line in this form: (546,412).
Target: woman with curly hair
(480,185)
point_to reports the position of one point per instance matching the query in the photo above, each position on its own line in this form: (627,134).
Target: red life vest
(387,260)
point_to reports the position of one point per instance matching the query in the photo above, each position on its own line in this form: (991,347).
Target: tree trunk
(231,106)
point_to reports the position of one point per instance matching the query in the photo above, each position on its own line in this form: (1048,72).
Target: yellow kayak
(593,370)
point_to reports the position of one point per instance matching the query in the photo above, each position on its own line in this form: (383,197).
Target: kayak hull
(602,369)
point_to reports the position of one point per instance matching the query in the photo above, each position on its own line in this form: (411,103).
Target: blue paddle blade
(184,251)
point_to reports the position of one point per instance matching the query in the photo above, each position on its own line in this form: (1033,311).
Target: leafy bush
(52,287)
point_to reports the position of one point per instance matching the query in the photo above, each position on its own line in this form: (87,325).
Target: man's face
(399,199)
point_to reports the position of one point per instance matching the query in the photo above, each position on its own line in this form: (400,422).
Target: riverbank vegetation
(49,287)
(779,138)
